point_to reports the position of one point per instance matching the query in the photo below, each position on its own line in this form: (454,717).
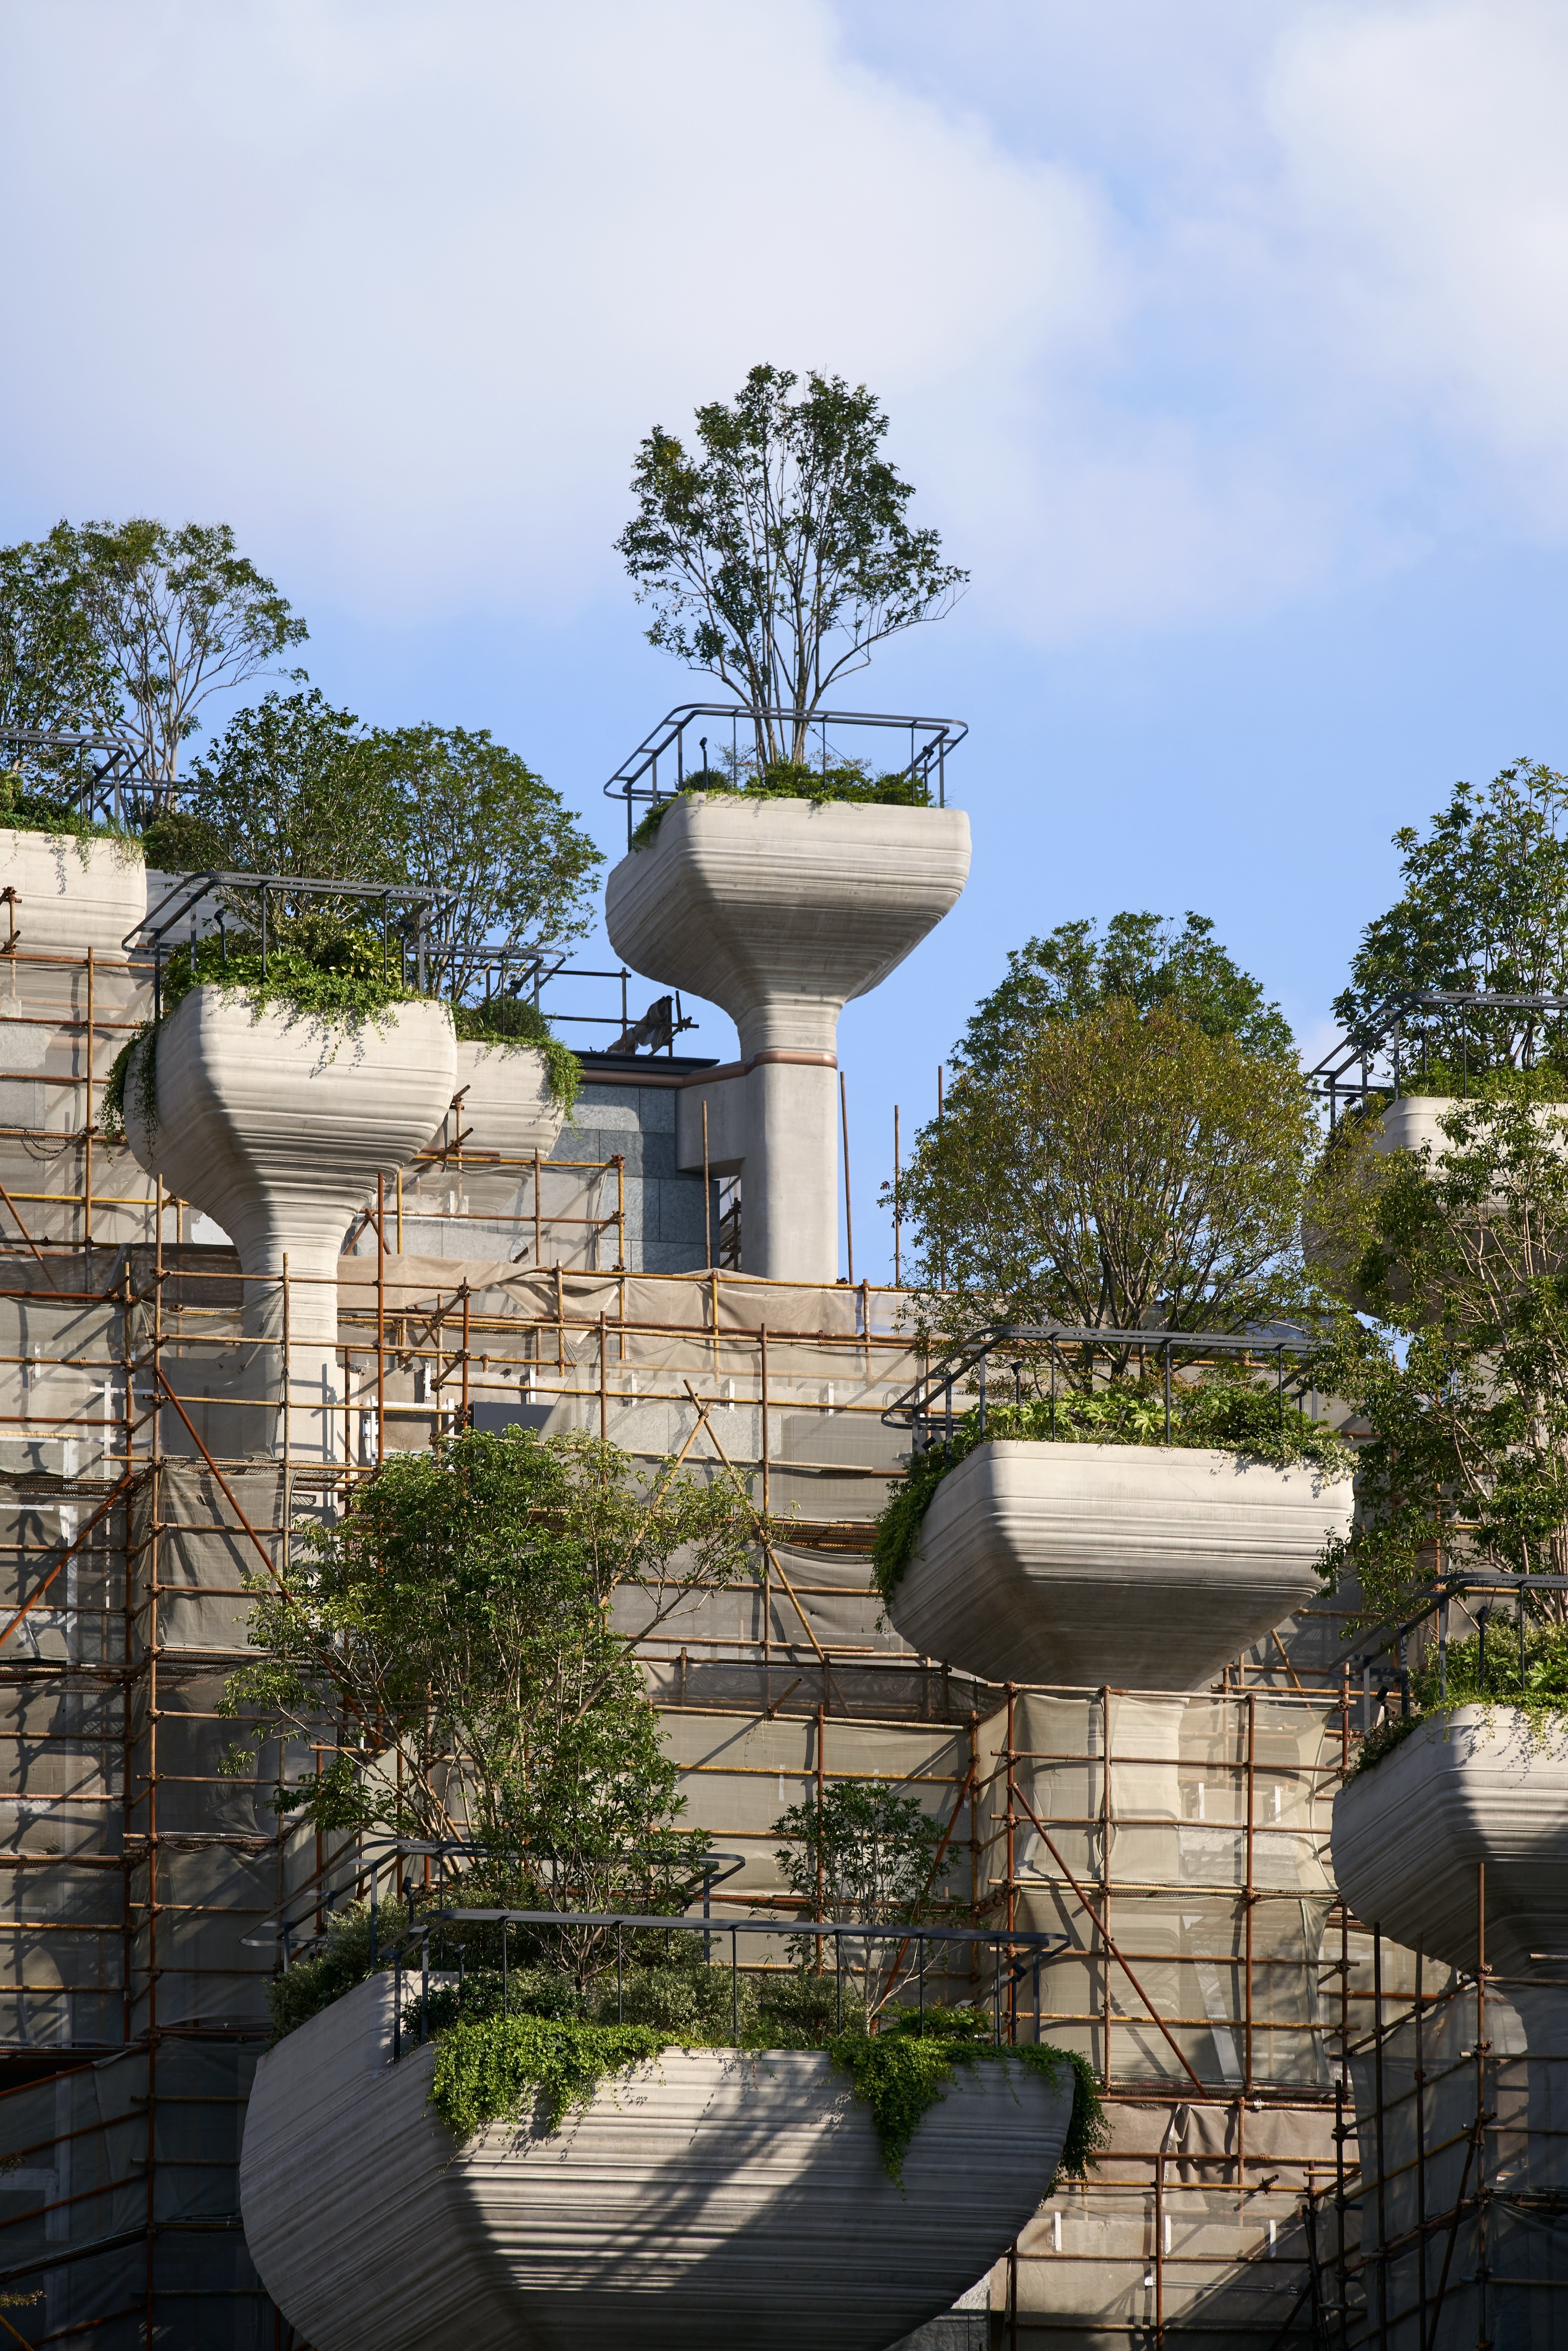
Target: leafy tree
(291,787)
(1460,1255)
(453,1632)
(777,552)
(477,824)
(1140,959)
(1118,1171)
(174,616)
(862,1854)
(1484,908)
(53,675)
(296,787)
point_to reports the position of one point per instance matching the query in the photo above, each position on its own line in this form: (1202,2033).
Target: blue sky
(1222,343)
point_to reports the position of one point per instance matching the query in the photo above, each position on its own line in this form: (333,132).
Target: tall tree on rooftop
(175,616)
(776,551)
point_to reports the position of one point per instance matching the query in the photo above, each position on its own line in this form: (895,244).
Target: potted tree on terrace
(1464,1801)
(601,2132)
(1114,1158)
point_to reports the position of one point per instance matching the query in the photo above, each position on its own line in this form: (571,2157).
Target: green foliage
(908,2067)
(476,824)
(1074,971)
(777,552)
(311,1984)
(1224,1411)
(1464,1378)
(515,1025)
(322,970)
(174,616)
(508,2068)
(790,779)
(459,1615)
(1118,1170)
(864,1855)
(297,787)
(1484,908)
(53,674)
(1487,1673)
(38,810)
(291,787)
(504,2069)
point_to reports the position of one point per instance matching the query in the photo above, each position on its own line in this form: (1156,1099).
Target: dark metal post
(982,1395)
(506,2001)
(264,930)
(397,2005)
(1168,1391)
(620,1986)
(734,1986)
(424,1988)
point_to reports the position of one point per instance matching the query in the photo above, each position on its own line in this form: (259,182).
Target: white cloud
(1176,317)
(402,285)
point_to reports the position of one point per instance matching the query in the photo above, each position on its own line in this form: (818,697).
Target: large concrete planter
(67,896)
(1411,1839)
(1136,1565)
(1408,1836)
(780,911)
(711,2199)
(276,1124)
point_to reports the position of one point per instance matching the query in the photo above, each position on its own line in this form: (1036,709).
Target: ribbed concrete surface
(1075,1564)
(709,2202)
(1409,1834)
(781,912)
(277,1125)
(70,895)
(507,1105)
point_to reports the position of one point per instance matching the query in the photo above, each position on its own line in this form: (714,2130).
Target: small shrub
(792,779)
(513,1024)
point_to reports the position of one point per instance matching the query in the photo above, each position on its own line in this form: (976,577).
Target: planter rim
(1099,1451)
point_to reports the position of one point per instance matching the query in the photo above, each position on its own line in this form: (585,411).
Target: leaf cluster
(1462,1255)
(1224,1412)
(1484,908)
(794,779)
(1076,971)
(776,551)
(1477,1672)
(1120,1170)
(515,1025)
(451,1635)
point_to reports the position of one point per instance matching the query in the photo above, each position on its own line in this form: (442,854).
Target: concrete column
(780,911)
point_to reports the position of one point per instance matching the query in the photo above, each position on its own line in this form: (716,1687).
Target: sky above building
(1223,343)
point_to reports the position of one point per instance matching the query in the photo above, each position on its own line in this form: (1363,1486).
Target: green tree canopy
(297,787)
(864,1855)
(1459,1254)
(1120,1170)
(476,823)
(54,676)
(776,551)
(1484,908)
(1139,959)
(175,616)
(451,1635)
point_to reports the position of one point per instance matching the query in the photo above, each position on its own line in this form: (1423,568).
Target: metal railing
(1003,1942)
(637,777)
(198,897)
(929,1399)
(1382,1038)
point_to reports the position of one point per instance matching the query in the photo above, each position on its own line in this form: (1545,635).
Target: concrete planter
(505,1106)
(276,1124)
(70,895)
(780,911)
(1408,1835)
(1143,1567)
(710,2199)
(1408,1841)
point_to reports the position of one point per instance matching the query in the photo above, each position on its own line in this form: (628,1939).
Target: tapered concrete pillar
(781,912)
(276,1124)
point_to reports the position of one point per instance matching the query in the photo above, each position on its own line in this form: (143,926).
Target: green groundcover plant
(794,779)
(328,972)
(1222,1413)
(505,2068)
(1489,1674)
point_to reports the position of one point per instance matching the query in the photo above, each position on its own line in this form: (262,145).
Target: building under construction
(1317,2135)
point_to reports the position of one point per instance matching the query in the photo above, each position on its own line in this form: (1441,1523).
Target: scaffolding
(1177,1846)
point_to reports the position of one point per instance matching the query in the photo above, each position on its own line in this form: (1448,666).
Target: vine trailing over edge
(498,2069)
(342,981)
(1223,1415)
(1540,1694)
